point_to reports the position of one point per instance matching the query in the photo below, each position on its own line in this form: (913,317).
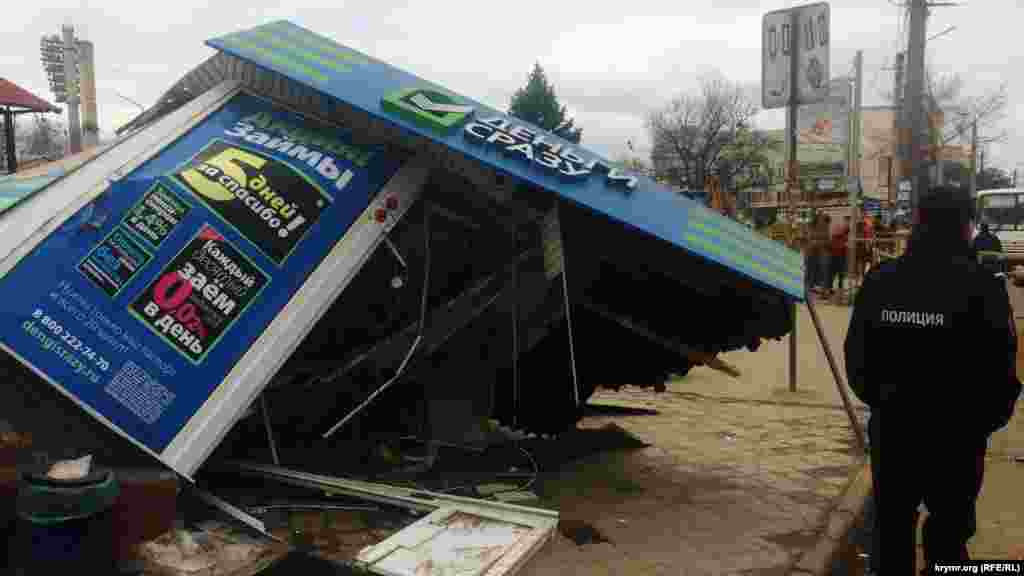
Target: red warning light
(381,215)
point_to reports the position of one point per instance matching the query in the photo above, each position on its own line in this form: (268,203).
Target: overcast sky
(610,63)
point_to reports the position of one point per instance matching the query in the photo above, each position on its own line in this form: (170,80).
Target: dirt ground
(736,478)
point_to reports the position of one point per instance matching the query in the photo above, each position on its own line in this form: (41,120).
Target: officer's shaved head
(944,214)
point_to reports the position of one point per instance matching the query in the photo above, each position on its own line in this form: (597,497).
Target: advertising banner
(470,130)
(142,302)
(826,122)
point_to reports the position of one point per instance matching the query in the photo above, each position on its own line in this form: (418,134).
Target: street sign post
(812,55)
(794,71)
(776,32)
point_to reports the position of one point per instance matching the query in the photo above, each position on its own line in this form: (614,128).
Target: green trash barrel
(64,525)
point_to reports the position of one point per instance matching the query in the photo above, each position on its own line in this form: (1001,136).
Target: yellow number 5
(229,162)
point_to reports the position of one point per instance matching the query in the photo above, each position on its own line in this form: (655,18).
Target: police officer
(931,349)
(986,241)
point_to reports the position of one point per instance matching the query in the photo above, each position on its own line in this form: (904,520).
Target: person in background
(986,241)
(955,383)
(824,239)
(810,262)
(840,249)
(818,253)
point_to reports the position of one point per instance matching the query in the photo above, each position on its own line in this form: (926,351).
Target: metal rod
(411,498)
(235,512)
(792,349)
(129,100)
(835,374)
(376,392)
(270,431)
(325,507)
(9,142)
(855,189)
(568,317)
(419,335)
(394,250)
(794,164)
(943,33)
(426,269)
(514,312)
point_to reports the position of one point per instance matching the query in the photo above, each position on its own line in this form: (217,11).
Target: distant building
(823,182)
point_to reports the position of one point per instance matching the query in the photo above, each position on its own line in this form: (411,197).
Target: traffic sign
(812,54)
(776,38)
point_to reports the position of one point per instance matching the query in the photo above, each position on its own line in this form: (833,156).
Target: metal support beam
(425,298)
(9,144)
(235,512)
(569,330)
(856,143)
(793,182)
(269,429)
(847,404)
(973,182)
(792,348)
(445,321)
(512,293)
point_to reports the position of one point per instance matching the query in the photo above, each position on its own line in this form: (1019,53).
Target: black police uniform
(988,242)
(931,348)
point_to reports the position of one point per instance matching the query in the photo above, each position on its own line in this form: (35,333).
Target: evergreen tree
(536,103)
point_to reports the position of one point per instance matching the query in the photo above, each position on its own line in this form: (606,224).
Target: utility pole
(973,182)
(71,75)
(914,100)
(902,157)
(897,89)
(855,148)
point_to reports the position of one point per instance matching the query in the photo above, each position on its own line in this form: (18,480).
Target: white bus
(1003,210)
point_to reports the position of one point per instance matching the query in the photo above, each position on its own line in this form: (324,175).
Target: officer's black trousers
(921,466)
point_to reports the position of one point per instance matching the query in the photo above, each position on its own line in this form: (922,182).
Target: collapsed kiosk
(373,253)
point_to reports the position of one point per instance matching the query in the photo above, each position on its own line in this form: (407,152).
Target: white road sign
(813,74)
(775,42)
(813,42)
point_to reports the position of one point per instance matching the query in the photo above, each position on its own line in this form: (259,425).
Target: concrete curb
(842,517)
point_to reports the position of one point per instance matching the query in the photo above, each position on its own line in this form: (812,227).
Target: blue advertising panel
(514,147)
(143,301)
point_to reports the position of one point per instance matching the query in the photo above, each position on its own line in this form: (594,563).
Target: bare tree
(707,132)
(945,92)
